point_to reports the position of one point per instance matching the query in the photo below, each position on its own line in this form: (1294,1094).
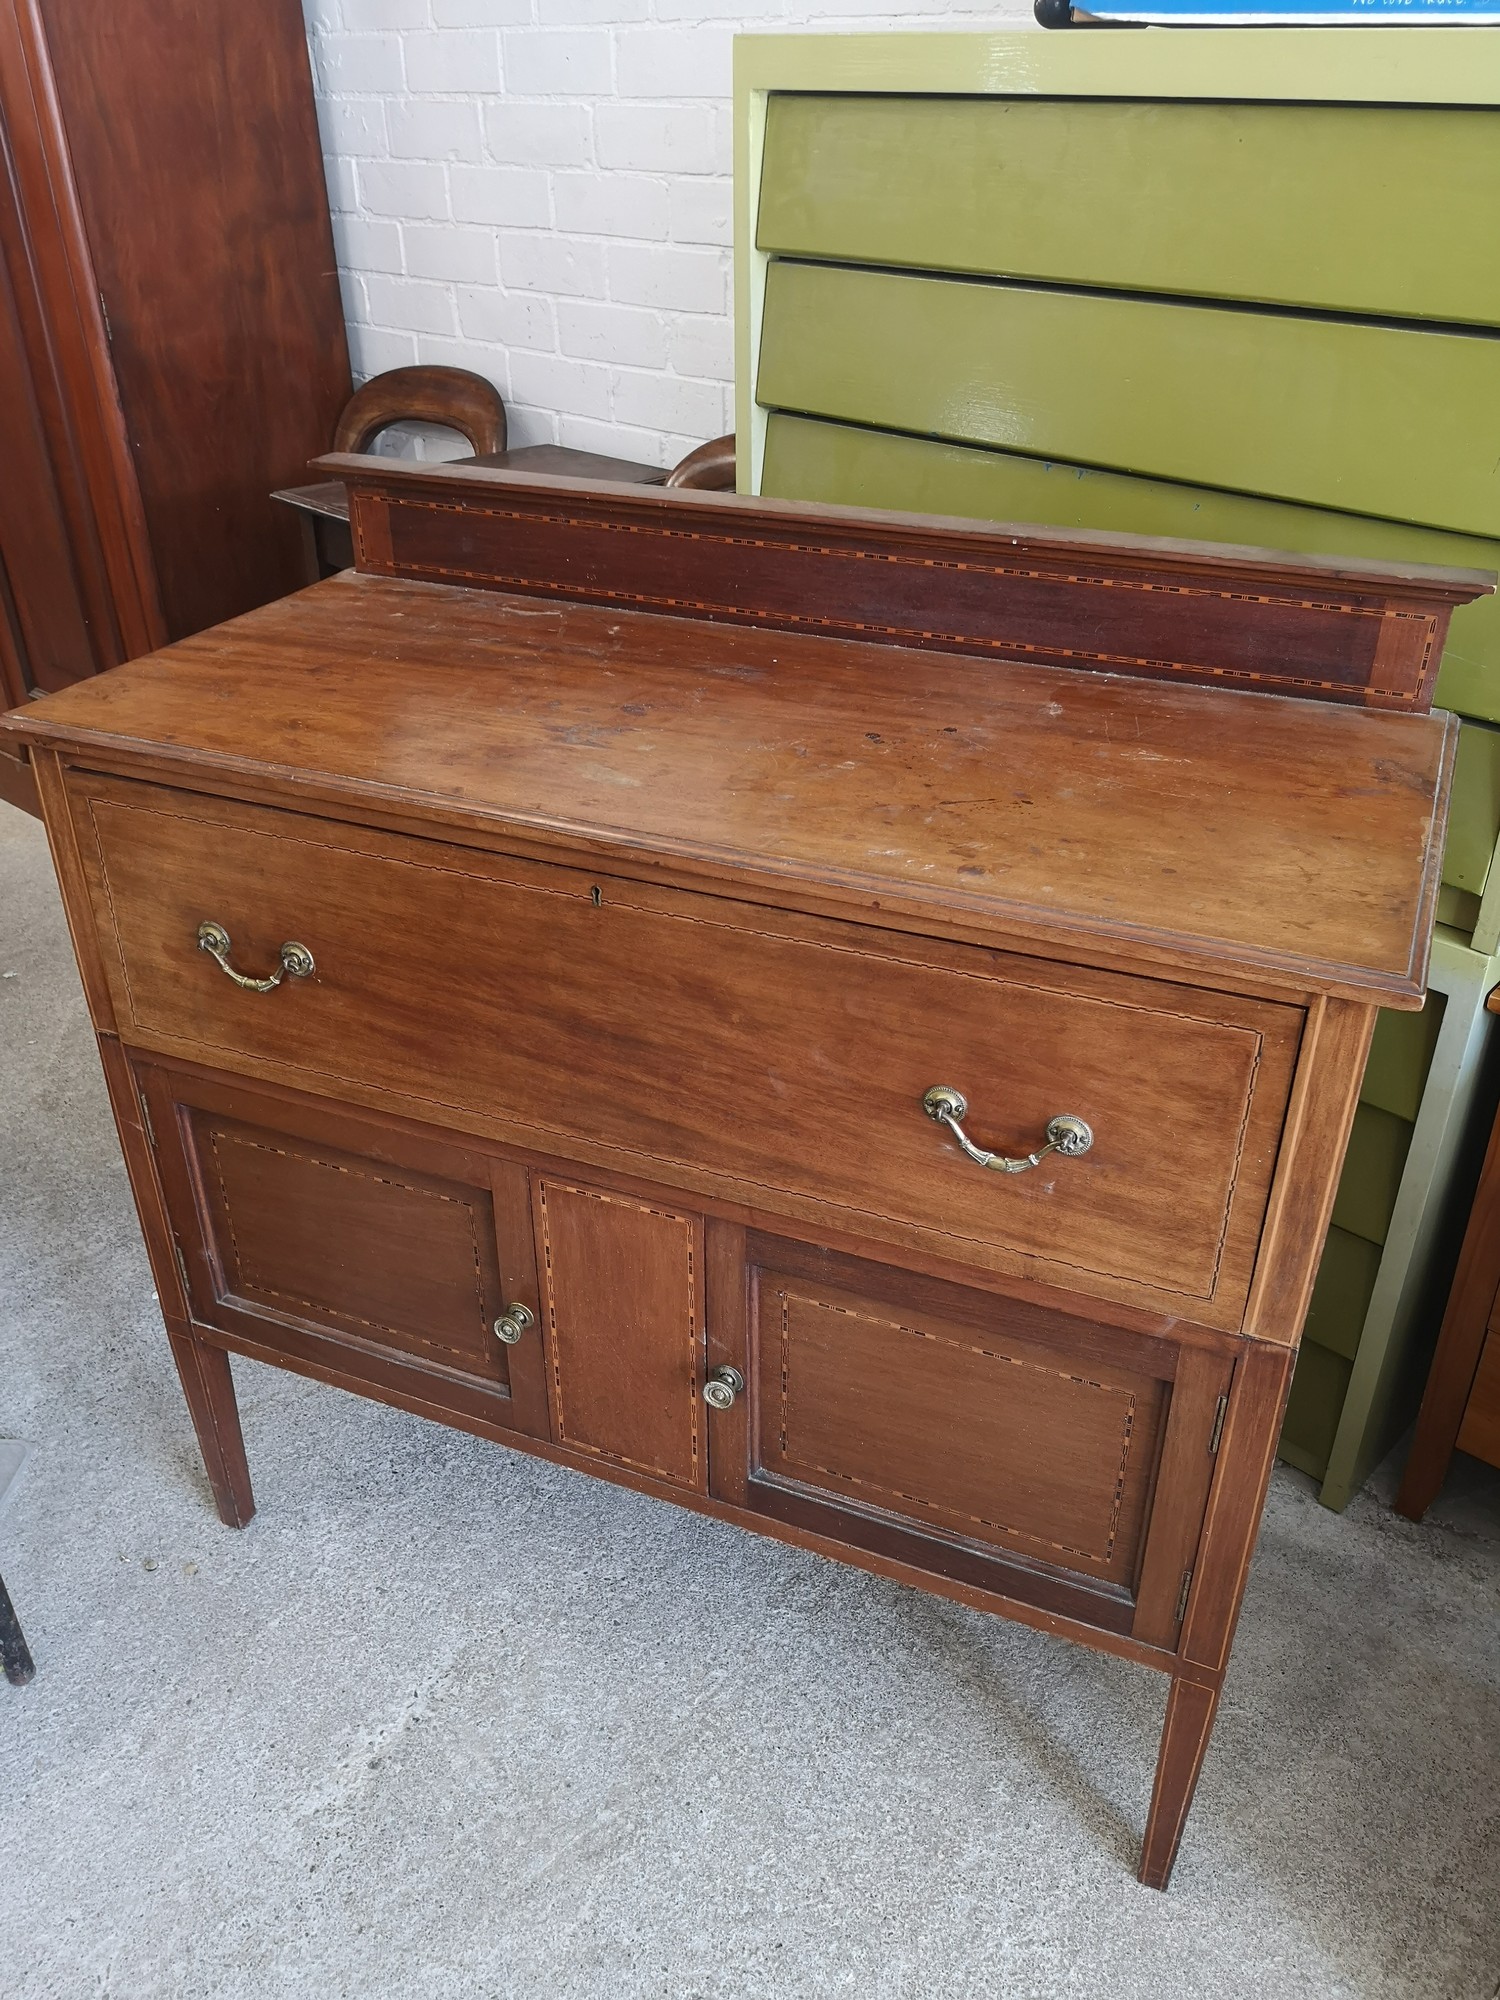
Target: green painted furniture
(1232,285)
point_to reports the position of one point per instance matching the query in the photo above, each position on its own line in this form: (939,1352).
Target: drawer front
(777,1061)
(1148,197)
(1378,419)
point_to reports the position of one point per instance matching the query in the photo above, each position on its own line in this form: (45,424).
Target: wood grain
(1184,611)
(1462,1342)
(622,1302)
(637,939)
(638,1023)
(1292,842)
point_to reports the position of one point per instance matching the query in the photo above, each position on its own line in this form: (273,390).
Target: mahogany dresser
(846,1022)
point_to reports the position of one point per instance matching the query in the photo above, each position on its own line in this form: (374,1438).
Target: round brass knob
(721,1387)
(512,1323)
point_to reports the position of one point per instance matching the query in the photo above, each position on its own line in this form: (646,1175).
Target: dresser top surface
(1286,839)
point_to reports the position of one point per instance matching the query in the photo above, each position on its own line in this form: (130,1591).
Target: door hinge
(182,1272)
(149,1127)
(1218,1430)
(1182,1595)
(109,332)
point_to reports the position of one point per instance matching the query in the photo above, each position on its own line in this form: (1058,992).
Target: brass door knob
(512,1323)
(722,1386)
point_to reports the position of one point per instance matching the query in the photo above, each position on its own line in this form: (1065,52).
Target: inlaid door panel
(350,1245)
(1020,1450)
(621,1282)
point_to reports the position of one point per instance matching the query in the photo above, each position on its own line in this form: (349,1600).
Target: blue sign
(1284,13)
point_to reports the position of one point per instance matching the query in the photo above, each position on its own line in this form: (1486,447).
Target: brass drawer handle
(296,960)
(1065,1134)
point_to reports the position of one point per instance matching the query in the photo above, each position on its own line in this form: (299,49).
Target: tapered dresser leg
(1184,1738)
(209,1388)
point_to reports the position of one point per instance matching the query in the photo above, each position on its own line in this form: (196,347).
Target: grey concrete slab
(447,1722)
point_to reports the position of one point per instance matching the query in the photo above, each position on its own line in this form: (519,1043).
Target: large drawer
(774,1060)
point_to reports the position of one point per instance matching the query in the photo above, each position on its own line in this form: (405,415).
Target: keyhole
(596,895)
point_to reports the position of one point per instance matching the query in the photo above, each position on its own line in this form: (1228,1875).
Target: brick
(771,12)
(606,13)
(353,127)
(617,440)
(352,297)
(365,16)
(672,139)
(550,383)
(480,13)
(528,426)
(557,62)
(441,250)
(372,350)
(516,197)
(673,278)
(702,344)
(402,189)
(610,205)
(410,306)
(360,64)
(673,62)
(623,334)
(364,244)
(527,135)
(508,319)
(343,190)
(702,211)
(669,403)
(423,130)
(460,60)
(538,262)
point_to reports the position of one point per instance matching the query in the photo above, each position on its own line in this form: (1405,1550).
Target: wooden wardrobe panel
(193,139)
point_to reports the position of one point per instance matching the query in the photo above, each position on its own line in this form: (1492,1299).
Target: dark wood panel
(1479,1432)
(194,145)
(1184,611)
(622,1292)
(41,598)
(966,1433)
(297,1221)
(70,371)
(1463,1339)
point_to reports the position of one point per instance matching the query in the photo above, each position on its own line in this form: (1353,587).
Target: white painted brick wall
(540,190)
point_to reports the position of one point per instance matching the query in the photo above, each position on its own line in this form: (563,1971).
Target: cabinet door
(1001,1445)
(351,1249)
(622,1319)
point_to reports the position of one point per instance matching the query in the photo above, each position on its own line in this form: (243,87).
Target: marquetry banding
(402,1334)
(373,515)
(694,1339)
(896,1493)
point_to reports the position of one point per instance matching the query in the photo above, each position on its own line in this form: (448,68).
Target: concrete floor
(450,1723)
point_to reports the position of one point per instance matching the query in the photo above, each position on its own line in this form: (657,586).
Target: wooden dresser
(728,996)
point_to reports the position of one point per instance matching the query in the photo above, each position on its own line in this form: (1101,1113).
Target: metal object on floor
(15,1656)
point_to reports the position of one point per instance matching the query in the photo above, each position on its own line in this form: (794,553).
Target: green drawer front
(809,460)
(1392,421)
(1307,205)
